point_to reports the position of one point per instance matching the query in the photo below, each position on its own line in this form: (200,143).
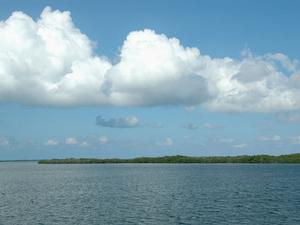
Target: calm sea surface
(149,194)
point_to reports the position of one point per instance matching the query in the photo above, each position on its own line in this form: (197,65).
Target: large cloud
(50,62)
(256,84)
(155,70)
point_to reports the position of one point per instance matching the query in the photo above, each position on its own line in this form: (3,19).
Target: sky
(148,78)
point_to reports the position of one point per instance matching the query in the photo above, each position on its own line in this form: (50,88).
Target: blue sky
(185,115)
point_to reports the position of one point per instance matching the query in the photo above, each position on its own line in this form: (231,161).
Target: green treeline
(291,158)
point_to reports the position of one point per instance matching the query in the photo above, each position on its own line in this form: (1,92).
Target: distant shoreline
(20,160)
(291,158)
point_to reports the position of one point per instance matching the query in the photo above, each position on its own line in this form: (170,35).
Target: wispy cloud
(240,145)
(270,138)
(291,117)
(4,141)
(212,126)
(226,140)
(71,141)
(103,140)
(190,108)
(295,140)
(166,142)
(84,144)
(191,126)
(51,142)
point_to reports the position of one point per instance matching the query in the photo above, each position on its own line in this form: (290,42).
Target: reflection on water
(149,194)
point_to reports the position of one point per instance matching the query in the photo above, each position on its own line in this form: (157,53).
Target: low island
(291,158)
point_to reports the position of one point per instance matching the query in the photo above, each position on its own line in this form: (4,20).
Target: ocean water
(149,194)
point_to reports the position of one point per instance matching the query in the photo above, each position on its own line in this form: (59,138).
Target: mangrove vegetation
(291,158)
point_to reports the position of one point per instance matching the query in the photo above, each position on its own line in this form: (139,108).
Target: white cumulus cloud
(49,61)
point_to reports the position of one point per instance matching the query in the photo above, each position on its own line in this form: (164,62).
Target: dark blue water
(149,194)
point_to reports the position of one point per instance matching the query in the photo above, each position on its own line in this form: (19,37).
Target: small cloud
(166,142)
(295,140)
(30,142)
(190,108)
(272,138)
(51,142)
(240,146)
(191,126)
(84,144)
(151,125)
(286,62)
(103,140)
(4,141)
(71,141)
(122,122)
(226,140)
(211,126)
(291,117)
(156,125)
